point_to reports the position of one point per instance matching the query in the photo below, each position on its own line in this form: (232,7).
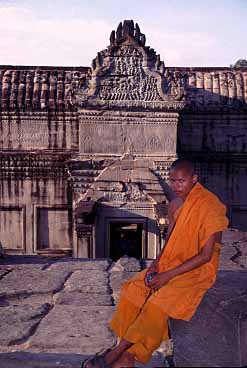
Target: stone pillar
(84,241)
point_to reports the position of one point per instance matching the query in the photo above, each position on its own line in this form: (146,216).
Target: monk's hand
(152,269)
(160,280)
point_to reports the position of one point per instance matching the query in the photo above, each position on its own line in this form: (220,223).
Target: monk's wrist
(171,274)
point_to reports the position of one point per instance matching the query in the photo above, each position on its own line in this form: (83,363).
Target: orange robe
(141,316)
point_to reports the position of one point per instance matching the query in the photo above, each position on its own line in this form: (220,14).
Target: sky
(70,33)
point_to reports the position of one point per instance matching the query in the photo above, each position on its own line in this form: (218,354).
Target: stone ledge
(217,334)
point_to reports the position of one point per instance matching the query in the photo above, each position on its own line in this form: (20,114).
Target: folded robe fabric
(201,215)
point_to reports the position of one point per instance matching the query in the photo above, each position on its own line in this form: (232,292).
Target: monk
(185,269)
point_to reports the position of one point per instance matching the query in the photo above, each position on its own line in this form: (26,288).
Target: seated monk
(186,268)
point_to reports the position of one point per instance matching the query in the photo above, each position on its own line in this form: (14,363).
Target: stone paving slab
(81,265)
(46,360)
(40,360)
(95,282)
(69,329)
(83,299)
(33,281)
(17,322)
(3,272)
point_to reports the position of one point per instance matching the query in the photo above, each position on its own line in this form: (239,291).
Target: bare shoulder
(174,205)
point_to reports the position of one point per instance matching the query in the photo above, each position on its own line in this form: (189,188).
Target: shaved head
(182,177)
(183,164)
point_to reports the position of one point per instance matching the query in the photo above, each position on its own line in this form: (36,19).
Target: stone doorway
(126,239)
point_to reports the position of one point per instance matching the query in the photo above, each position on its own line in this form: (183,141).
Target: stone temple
(85,151)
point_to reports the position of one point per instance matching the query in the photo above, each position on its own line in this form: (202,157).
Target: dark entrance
(125,239)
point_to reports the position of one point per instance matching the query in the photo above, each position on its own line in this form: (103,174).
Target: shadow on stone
(40,360)
(217,334)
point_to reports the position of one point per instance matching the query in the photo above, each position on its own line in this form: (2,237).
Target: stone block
(73,329)
(93,281)
(32,281)
(40,360)
(83,299)
(81,265)
(116,281)
(129,264)
(217,334)
(17,323)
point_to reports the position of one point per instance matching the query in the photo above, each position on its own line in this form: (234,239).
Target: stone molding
(30,165)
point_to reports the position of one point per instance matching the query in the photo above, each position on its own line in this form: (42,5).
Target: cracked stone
(116,281)
(95,282)
(18,322)
(72,329)
(81,265)
(233,242)
(222,317)
(33,281)
(129,264)
(233,235)
(82,299)
(3,272)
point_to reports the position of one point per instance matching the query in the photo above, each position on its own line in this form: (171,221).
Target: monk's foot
(112,355)
(125,360)
(87,364)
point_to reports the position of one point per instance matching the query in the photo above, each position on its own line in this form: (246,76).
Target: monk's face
(181,182)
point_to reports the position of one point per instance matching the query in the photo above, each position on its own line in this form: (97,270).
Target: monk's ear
(195,179)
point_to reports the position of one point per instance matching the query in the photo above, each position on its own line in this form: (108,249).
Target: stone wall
(60,127)
(36,205)
(218,143)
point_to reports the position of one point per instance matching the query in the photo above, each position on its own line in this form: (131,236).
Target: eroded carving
(129,72)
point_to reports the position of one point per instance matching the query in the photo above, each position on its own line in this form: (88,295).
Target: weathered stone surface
(77,323)
(67,329)
(234,250)
(32,281)
(25,262)
(18,322)
(216,335)
(127,264)
(94,281)
(116,281)
(46,360)
(81,265)
(3,272)
(232,236)
(40,360)
(83,299)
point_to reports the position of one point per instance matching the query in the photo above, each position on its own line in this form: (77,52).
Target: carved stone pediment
(130,74)
(129,192)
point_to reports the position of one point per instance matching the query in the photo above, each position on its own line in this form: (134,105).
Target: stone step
(46,360)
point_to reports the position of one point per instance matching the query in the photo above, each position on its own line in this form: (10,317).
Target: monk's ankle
(125,360)
(112,356)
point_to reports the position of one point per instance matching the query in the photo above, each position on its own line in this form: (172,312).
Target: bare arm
(172,208)
(204,256)
(198,260)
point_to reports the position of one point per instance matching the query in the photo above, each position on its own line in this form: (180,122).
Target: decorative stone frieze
(21,166)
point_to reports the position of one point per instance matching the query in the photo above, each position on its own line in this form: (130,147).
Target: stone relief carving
(128,80)
(124,192)
(128,71)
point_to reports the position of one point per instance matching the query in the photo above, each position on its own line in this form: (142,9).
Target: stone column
(84,241)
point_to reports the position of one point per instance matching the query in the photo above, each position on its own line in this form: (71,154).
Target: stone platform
(54,312)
